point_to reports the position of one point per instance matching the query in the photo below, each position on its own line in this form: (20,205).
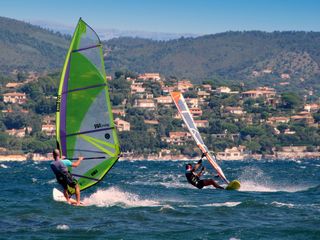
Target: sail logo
(58,103)
(100,125)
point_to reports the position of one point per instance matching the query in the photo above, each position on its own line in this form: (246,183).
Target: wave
(3,165)
(116,197)
(225,204)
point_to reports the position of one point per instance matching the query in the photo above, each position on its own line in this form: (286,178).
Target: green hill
(27,47)
(229,56)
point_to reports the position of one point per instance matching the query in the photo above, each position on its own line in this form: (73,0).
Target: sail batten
(185,113)
(84,120)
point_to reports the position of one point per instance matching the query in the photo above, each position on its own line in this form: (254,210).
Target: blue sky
(172,16)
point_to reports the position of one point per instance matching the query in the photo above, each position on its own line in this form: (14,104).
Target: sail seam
(85,88)
(91,131)
(86,48)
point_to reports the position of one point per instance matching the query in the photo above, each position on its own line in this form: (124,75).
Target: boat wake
(116,197)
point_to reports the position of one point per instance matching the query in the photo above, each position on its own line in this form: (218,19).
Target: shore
(131,157)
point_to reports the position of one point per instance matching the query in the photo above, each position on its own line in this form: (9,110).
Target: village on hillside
(236,123)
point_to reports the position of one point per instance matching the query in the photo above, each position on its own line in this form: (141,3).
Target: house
(48,129)
(119,112)
(168,89)
(278,120)
(144,103)
(203,95)
(234,110)
(196,112)
(122,125)
(166,100)
(47,119)
(192,102)
(264,92)
(150,76)
(202,123)
(234,153)
(151,122)
(304,117)
(223,89)
(136,87)
(312,107)
(184,85)
(179,138)
(19,132)
(13,85)
(15,97)
(285,76)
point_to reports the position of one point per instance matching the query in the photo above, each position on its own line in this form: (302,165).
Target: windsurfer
(194,178)
(60,168)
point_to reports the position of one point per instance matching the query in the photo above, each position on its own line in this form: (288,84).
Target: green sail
(84,120)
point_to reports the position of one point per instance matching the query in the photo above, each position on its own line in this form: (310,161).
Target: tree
(291,100)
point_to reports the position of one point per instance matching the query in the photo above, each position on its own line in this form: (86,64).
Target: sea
(278,199)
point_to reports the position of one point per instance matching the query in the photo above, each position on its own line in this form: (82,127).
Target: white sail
(187,118)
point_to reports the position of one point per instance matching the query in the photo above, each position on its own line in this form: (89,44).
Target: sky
(172,16)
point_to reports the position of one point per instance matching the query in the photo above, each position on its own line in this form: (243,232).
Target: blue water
(152,200)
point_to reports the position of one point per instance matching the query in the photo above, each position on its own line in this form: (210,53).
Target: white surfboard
(58,195)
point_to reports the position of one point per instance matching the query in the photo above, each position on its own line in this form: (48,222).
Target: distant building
(145,103)
(278,120)
(304,117)
(119,112)
(203,95)
(196,112)
(192,102)
(122,125)
(264,92)
(312,107)
(19,132)
(223,89)
(234,153)
(285,76)
(136,87)
(234,110)
(202,123)
(166,100)
(151,122)
(49,129)
(15,97)
(184,85)
(168,89)
(150,76)
(178,138)
(13,85)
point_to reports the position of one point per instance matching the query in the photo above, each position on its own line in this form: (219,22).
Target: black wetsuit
(194,180)
(63,176)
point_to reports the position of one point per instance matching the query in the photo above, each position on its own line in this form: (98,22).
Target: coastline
(153,157)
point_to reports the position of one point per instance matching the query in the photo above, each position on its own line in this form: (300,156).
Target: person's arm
(201,172)
(77,163)
(197,165)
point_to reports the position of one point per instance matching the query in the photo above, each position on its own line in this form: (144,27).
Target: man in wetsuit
(194,178)
(64,177)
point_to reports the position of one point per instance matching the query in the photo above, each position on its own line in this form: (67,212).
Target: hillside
(287,60)
(27,47)
(230,55)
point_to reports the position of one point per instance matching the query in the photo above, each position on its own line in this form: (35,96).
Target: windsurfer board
(233,185)
(59,197)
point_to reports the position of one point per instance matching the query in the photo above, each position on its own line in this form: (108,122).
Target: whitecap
(3,165)
(280,204)
(116,197)
(63,227)
(224,204)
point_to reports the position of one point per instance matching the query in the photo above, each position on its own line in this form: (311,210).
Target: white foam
(3,165)
(116,197)
(252,186)
(225,204)
(280,204)
(63,227)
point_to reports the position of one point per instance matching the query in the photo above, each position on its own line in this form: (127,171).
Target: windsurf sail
(84,120)
(188,120)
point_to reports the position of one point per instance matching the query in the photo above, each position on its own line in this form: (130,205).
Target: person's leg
(77,193)
(207,182)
